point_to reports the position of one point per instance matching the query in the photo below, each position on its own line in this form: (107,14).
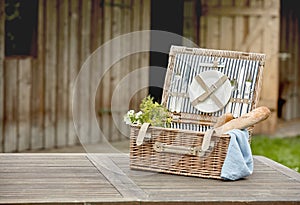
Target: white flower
(137,115)
(130,112)
(132,118)
(127,119)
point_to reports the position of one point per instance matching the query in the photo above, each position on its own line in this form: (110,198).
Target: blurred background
(44,43)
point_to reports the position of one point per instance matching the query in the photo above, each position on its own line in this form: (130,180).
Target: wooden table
(106,178)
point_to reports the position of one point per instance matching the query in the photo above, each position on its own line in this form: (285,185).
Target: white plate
(223,93)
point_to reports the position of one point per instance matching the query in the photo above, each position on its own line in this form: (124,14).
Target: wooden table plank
(34,178)
(107,178)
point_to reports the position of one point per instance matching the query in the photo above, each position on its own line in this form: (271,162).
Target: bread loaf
(255,116)
(223,119)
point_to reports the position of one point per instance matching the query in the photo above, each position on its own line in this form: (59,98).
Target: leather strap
(207,139)
(142,134)
(209,91)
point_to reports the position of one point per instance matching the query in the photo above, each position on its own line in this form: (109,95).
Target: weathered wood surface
(107,178)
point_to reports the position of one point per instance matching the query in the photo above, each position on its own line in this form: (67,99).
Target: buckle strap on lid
(209,91)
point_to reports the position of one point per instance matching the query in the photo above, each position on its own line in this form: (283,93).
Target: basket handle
(174,149)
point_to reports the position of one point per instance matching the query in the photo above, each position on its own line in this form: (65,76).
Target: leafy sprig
(151,112)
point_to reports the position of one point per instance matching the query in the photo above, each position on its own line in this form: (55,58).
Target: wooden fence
(36,92)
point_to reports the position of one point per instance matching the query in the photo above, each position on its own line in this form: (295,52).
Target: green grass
(283,150)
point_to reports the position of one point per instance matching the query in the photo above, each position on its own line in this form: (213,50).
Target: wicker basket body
(189,125)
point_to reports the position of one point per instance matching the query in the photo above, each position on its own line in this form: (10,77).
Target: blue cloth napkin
(239,161)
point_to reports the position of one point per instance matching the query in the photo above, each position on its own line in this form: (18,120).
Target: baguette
(223,119)
(249,119)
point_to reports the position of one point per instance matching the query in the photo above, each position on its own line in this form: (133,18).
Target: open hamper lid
(203,84)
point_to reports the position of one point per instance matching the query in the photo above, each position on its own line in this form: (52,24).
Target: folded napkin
(239,161)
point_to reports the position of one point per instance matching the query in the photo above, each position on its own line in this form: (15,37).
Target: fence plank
(135,18)
(125,65)
(290,68)
(212,35)
(38,94)
(11,107)
(283,64)
(202,30)
(105,110)
(62,75)
(115,71)
(73,64)
(24,122)
(145,43)
(84,80)
(226,38)
(188,20)
(2,40)
(50,73)
(239,26)
(96,41)
(297,72)
(38,88)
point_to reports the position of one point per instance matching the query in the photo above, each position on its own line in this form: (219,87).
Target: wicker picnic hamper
(176,149)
